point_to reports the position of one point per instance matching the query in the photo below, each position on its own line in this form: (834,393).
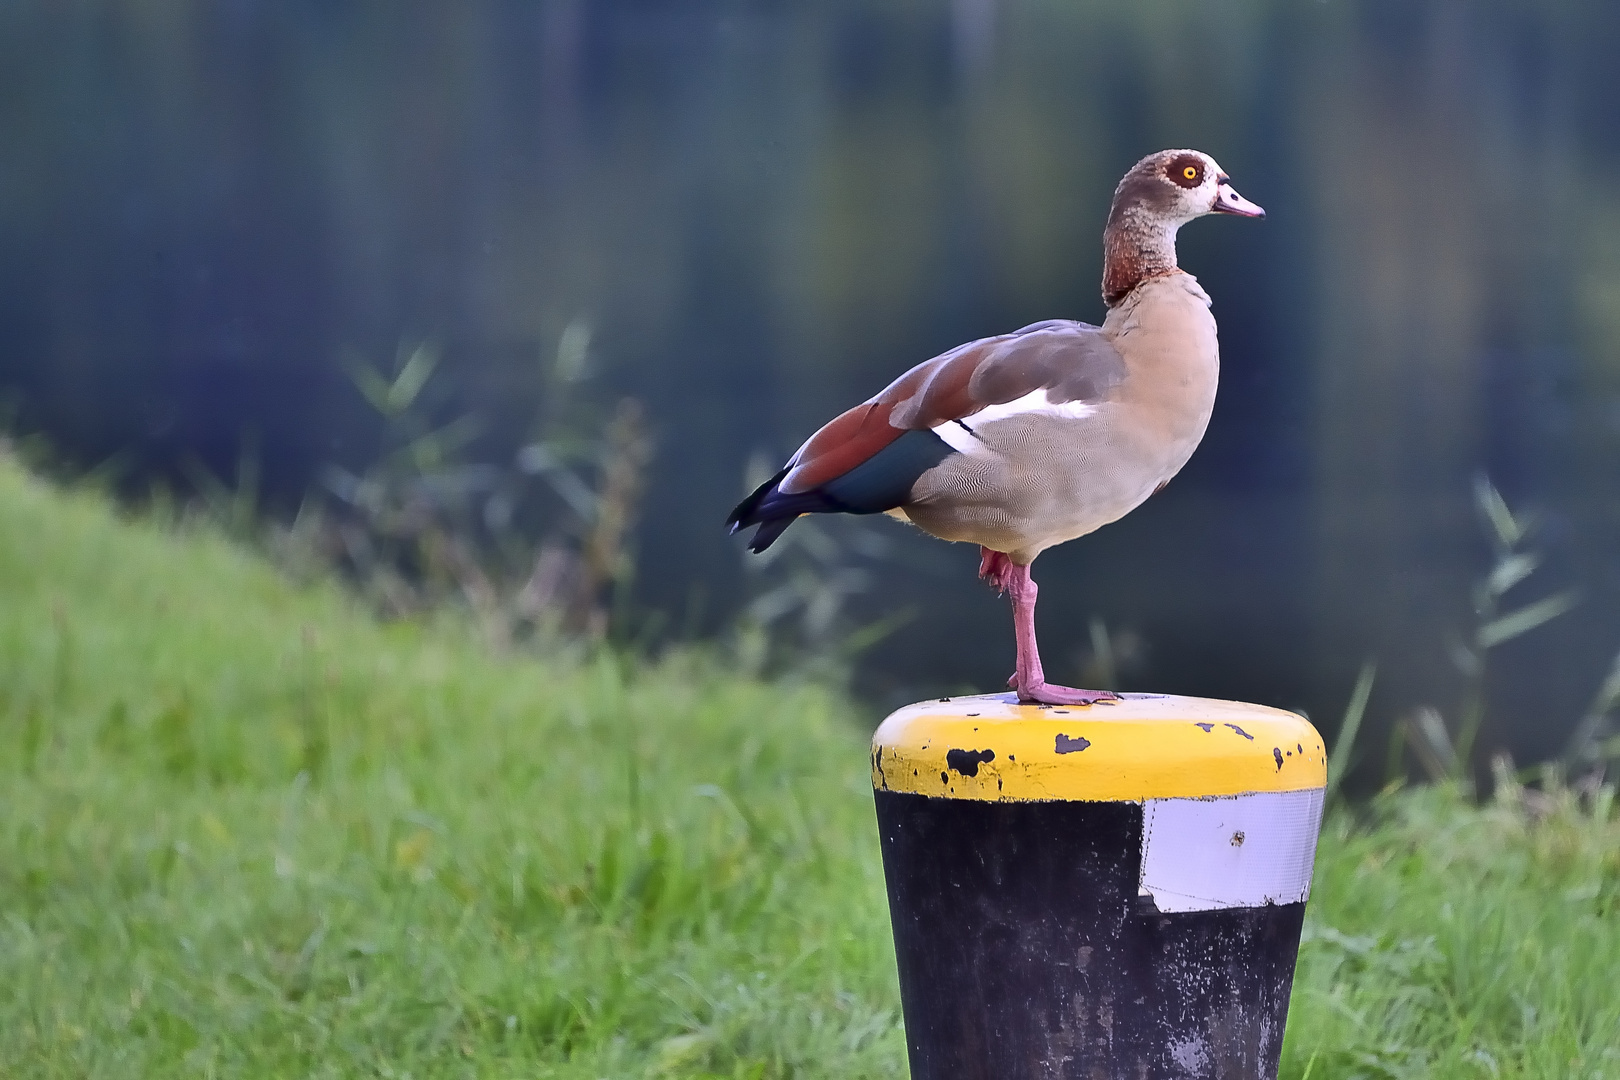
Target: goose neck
(1136,246)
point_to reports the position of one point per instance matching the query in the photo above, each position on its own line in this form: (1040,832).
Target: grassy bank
(246,830)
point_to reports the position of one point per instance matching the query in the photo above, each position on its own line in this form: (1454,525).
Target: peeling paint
(1240,731)
(1066,745)
(967,762)
(1276,752)
(1191,1053)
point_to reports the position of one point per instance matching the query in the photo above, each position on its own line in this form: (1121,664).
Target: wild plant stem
(1354,711)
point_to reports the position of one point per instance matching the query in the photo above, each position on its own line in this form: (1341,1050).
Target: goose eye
(1184,171)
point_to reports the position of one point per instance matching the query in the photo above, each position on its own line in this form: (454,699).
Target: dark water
(764,212)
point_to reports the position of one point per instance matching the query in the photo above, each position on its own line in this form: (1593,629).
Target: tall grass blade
(1509,626)
(372,386)
(862,638)
(411,378)
(573,352)
(1583,741)
(1102,651)
(1426,731)
(1510,571)
(1395,756)
(1508,530)
(1354,711)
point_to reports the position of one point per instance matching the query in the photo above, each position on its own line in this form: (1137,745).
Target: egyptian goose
(1028,439)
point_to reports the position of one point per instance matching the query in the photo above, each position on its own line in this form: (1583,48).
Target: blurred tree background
(694,231)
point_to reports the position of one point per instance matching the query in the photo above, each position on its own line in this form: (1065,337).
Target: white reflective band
(1230,852)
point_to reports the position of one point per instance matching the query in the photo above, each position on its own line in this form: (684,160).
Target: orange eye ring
(1190,172)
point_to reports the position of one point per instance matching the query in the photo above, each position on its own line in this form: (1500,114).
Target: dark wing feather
(849,467)
(881,482)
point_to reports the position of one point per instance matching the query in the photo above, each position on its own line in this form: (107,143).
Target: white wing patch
(958,434)
(957,437)
(1035,401)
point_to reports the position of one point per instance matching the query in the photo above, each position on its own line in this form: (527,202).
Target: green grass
(1447,941)
(245,830)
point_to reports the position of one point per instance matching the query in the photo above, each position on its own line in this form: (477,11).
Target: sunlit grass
(1447,941)
(245,830)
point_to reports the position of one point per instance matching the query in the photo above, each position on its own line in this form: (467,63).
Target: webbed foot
(1045,693)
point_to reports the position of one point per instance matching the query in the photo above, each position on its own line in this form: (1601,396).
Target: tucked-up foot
(996,570)
(1045,693)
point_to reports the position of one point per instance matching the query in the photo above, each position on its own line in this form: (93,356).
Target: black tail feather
(747,511)
(773,511)
(881,482)
(768,531)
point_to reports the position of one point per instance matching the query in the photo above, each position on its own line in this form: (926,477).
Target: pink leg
(1029,680)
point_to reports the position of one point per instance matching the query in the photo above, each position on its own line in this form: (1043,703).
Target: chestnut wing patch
(1071,361)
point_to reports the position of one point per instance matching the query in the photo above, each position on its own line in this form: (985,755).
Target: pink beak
(1228,201)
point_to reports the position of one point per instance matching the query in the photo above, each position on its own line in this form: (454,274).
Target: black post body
(1026,953)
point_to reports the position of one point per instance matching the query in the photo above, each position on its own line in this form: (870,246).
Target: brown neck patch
(1137,242)
(1131,255)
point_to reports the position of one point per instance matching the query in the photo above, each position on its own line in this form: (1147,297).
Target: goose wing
(866,460)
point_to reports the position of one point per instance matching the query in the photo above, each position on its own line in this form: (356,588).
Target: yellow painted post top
(1146,746)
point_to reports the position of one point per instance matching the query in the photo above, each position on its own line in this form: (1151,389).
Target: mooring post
(1112,891)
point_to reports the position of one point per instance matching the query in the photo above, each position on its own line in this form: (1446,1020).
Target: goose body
(1026,440)
(1034,473)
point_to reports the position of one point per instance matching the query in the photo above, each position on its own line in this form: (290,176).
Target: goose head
(1161,193)
(1175,186)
